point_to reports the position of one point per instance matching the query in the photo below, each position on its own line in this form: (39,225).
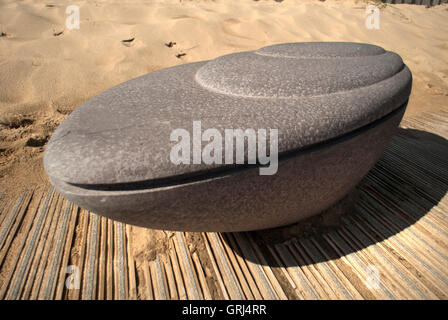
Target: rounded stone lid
(310,92)
(293,71)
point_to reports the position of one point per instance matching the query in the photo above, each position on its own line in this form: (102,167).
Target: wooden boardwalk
(394,245)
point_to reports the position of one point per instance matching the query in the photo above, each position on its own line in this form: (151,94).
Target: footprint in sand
(13,121)
(172,44)
(128,42)
(435,90)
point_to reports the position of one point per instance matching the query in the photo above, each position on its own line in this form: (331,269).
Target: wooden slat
(201,275)
(54,264)
(12,222)
(19,276)
(66,254)
(110,261)
(253,264)
(75,294)
(120,287)
(304,287)
(254,291)
(20,248)
(158,283)
(131,266)
(40,261)
(102,260)
(216,269)
(306,249)
(241,275)
(228,275)
(148,283)
(178,276)
(267,270)
(90,272)
(5,207)
(191,282)
(170,277)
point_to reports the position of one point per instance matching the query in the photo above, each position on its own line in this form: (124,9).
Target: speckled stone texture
(335,105)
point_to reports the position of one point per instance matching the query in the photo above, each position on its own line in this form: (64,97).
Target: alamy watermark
(73,20)
(373,17)
(73,281)
(372,21)
(217,146)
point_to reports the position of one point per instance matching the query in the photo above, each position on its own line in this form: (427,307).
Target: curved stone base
(307,182)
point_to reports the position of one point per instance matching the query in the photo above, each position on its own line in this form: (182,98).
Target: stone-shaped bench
(335,106)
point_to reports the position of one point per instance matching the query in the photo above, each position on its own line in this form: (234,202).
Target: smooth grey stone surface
(336,106)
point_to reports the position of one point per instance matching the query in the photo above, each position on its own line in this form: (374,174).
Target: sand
(47,70)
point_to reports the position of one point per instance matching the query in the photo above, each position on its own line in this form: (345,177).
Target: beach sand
(47,70)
